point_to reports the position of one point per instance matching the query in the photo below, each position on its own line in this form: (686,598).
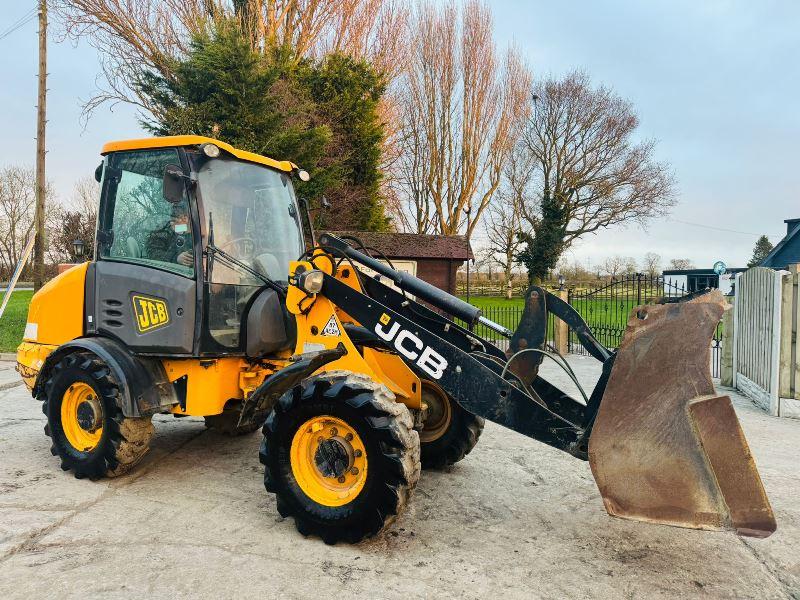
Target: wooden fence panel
(757,331)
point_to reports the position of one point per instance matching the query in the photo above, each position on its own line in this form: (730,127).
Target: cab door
(144,280)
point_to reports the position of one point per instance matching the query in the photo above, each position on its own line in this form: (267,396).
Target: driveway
(515,519)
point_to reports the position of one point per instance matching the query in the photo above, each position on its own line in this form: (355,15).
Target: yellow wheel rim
(440,412)
(82,417)
(329,461)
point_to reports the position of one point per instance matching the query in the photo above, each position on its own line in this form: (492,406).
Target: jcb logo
(150,313)
(410,346)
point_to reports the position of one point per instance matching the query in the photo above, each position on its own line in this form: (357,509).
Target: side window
(148,229)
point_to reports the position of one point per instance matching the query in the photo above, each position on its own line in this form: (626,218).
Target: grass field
(609,313)
(12,323)
(607,318)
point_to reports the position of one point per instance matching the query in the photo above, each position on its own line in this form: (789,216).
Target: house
(787,251)
(432,258)
(685,281)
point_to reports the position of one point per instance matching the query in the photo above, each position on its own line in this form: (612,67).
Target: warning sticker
(331,328)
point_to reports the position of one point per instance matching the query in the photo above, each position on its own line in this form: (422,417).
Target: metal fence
(605,309)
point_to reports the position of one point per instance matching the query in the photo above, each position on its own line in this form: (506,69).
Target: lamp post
(561,280)
(78,248)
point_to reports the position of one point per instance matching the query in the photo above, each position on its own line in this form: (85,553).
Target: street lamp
(78,248)
(561,280)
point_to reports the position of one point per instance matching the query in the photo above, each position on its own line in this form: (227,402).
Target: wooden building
(432,258)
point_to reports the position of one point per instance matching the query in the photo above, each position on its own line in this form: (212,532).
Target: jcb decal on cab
(150,313)
(410,346)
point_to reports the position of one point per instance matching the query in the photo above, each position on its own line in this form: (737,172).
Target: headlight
(211,150)
(311,281)
(303,175)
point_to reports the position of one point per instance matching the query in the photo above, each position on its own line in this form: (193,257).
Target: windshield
(252,212)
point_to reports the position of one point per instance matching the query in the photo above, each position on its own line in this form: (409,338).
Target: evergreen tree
(546,243)
(762,249)
(320,115)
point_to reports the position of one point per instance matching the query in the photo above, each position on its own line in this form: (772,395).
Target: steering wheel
(245,247)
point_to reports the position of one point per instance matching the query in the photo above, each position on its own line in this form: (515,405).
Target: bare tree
(629,266)
(614,266)
(652,264)
(17,199)
(133,36)
(77,220)
(502,218)
(463,108)
(681,264)
(17,202)
(590,173)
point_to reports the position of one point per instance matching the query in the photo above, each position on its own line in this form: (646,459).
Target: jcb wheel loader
(208,296)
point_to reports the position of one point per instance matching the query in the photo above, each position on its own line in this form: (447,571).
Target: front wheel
(341,456)
(87,428)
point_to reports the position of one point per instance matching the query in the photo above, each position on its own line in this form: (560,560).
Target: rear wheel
(88,430)
(449,432)
(341,456)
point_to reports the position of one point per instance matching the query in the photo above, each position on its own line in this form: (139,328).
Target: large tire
(449,433)
(312,465)
(88,430)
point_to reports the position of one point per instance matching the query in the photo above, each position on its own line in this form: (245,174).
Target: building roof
(412,246)
(195,140)
(787,251)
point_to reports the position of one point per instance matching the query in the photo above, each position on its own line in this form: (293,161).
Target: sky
(715,82)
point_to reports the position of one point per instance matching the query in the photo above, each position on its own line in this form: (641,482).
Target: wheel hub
(333,457)
(439,412)
(329,460)
(82,417)
(89,414)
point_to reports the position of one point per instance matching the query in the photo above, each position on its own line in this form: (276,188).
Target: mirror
(173,184)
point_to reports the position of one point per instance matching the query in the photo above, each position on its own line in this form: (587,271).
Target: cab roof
(195,140)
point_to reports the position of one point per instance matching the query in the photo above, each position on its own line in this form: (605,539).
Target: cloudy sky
(715,82)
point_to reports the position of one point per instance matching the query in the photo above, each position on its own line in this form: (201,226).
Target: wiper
(214,253)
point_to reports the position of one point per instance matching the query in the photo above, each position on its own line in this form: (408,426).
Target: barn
(432,258)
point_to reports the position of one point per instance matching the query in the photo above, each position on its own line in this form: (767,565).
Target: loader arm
(662,445)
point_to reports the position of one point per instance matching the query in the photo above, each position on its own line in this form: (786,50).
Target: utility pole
(41,122)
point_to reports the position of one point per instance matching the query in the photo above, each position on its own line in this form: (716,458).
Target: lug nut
(334,431)
(357,453)
(341,479)
(354,471)
(348,437)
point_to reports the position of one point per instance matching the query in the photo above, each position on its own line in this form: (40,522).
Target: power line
(720,228)
(22,21)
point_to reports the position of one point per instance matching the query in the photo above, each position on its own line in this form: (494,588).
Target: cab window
(147,229)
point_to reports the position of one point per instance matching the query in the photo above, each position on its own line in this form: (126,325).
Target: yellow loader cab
(207,296)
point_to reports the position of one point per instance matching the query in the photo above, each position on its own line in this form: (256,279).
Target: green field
(606,317)
(609,313)
(12,323)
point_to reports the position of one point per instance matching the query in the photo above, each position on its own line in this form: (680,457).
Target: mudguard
(143,386)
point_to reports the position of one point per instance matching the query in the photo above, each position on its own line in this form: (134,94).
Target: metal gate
(606,310)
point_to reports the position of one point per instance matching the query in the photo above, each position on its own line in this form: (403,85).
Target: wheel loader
(209,296)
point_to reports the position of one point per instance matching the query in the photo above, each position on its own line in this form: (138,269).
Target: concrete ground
(516,519)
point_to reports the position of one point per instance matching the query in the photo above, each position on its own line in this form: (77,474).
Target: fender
(264,396)
(143,386)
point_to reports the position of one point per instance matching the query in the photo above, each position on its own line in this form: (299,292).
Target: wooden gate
(756,330)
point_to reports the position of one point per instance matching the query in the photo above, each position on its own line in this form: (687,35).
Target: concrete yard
(516,519)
